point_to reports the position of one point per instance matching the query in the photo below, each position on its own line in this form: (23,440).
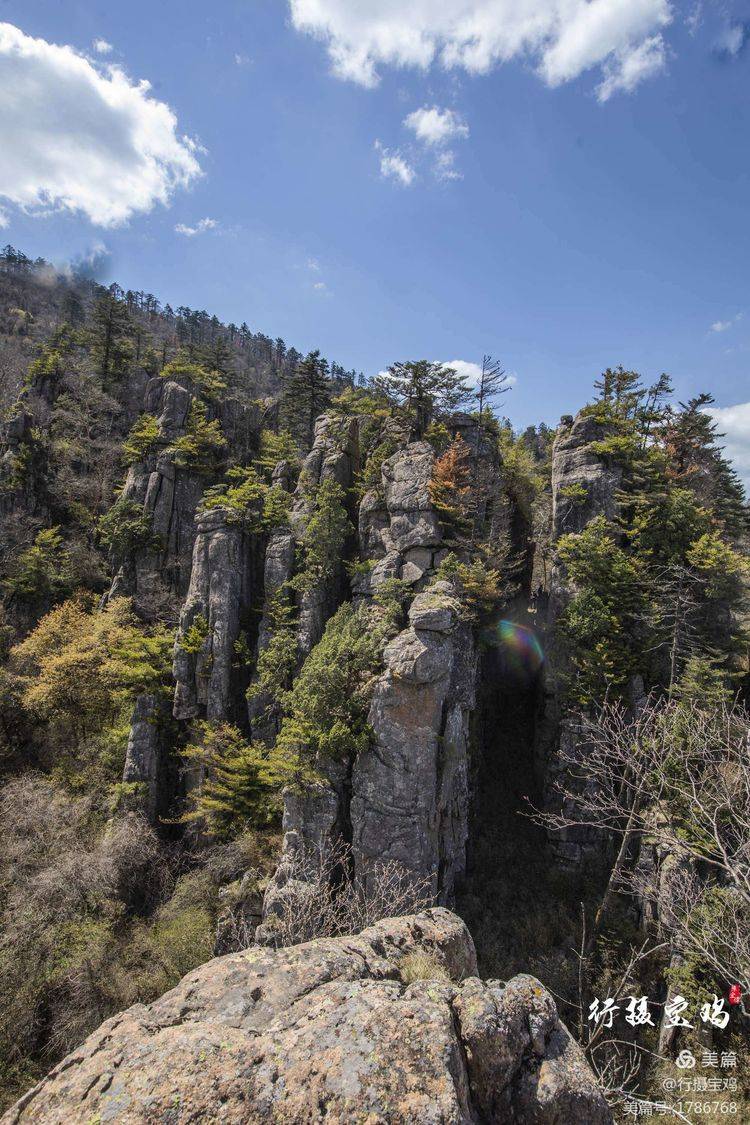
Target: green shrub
(126,528)
(248,500)
(201,444)
(182,370)
(41,571)
(326,709)
(322,542)
(194,638)
(142,439)
(243,781)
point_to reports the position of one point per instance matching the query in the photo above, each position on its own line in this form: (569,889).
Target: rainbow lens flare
(520,645)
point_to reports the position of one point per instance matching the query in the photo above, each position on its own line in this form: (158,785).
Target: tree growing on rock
(423,391)
(451,490)
(307,392)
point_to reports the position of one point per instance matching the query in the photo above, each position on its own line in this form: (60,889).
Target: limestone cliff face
(222,587)
(410,796)
(332,1031)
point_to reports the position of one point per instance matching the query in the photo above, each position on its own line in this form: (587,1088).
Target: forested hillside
(286,651)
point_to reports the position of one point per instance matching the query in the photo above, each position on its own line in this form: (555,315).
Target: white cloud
(627,69)
(242,60)
(562,38)
(313,264)
(734,423)
(200,227)
(393,166)
(472,371)
(102,47)
(445,166)
(435,126)
(79,138)
(4,220)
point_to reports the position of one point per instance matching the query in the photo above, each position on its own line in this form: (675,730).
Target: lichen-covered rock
(328,1031)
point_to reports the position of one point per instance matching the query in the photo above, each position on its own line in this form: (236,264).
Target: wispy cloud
(102,47)
(201,227)
(393,166)
(445,166)
(241,60)
(732,39)
(725,325)
(626,69)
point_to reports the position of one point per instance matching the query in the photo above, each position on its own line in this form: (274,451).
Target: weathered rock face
(220,593)
(329,1031)
(399,530)
(410,788)
(168,496)
(576,467)
(334,456)
(144,766)
(406,798)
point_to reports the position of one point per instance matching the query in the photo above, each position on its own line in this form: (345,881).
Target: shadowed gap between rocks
(521,910)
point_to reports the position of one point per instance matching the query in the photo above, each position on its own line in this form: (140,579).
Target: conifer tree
(110,329)
(306,394)
(424,390)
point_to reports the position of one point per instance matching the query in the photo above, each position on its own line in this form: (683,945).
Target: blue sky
(575,197)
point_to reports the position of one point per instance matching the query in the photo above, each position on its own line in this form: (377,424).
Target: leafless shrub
(315,895)
(676,776)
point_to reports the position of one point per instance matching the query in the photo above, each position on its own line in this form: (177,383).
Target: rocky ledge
(389,1026)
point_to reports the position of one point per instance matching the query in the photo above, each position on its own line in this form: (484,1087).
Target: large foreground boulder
(390,1026)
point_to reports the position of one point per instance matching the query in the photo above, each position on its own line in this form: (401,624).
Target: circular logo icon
(686,1060)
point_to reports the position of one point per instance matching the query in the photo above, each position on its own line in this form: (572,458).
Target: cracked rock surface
(331,1031)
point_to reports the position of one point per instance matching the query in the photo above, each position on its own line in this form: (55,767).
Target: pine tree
(694,460)
(307,393)
(424,390)
(110,331)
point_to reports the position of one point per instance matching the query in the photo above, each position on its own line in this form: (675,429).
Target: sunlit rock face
(392,1025)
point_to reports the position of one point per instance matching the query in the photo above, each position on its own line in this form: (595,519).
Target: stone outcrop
(169,496)
(584,484)
(399,531)
(217,604)
(331,1031)
(410,794)
(334,456)
(143,773)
